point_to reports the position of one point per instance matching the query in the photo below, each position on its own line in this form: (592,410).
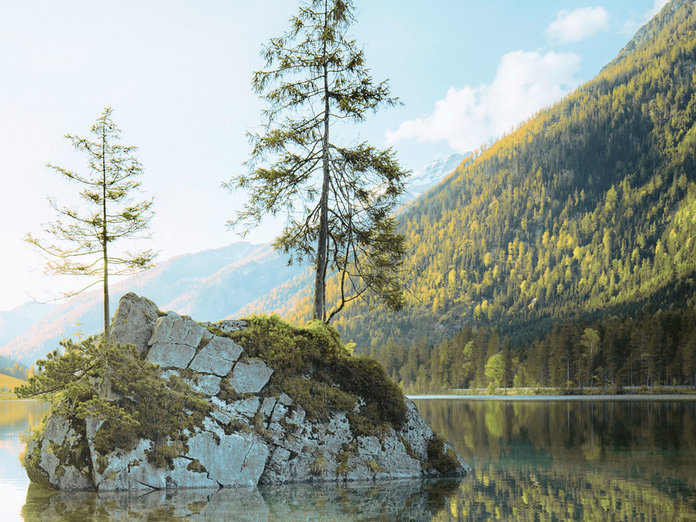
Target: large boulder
(174,341)
(256,427)
(133,321)
(250,376)
(217,356)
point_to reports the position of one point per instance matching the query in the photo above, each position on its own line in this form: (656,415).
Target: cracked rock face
(252,435)
(133,321)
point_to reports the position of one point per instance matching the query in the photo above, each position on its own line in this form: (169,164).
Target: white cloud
(573,26)
(468,117)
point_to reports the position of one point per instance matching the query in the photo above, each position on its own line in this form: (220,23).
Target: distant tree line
(13,368)
(646,350)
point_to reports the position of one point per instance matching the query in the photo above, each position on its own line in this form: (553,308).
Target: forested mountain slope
(587,209)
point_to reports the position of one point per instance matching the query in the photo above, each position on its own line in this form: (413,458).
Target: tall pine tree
(339,198)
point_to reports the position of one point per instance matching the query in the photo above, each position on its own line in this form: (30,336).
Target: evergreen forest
(566,251)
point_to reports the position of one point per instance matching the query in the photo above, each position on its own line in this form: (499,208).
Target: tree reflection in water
(539,460)
(568,460)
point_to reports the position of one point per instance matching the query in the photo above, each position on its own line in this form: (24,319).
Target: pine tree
(339,199)
(82,236)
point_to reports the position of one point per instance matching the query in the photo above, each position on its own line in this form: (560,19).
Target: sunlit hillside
(586,210)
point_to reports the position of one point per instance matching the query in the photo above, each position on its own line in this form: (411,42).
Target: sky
(177,75)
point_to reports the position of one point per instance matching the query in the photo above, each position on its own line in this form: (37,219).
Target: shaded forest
(648,350)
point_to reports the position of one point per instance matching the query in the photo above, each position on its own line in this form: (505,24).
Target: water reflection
(16,417)
(532,461)
(571,460)
(398,500)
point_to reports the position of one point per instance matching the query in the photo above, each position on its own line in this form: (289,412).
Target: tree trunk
(104,241)
(322,241)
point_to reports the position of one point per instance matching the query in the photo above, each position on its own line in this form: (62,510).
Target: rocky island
(173,403)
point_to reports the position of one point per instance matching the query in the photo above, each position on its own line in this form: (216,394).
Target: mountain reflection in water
(535,460)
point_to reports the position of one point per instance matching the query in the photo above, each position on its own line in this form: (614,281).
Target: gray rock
(246,407)
(133,321)
(231,449)
(222,418)
(228,325)
(250,376)
(59,433)
(267,407)
(416,431)
(285,399)
(174,341)
(278,412)
(206,384)
(217,356)
(296,415)
(230,460)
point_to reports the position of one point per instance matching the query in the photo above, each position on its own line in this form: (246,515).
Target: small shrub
(145,405)
(196,467)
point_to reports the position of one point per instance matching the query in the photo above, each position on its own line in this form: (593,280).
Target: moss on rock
(312,366)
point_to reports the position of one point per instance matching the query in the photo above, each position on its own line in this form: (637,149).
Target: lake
(532,459)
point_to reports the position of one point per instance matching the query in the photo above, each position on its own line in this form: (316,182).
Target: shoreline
(550,397)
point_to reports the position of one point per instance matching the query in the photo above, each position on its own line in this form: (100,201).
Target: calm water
(533,460)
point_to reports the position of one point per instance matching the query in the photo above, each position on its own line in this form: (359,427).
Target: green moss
(163,454)
(443,461)
(101,464)
(317,398)
(31,458)
(409,449)
(348,450)
(228,394)
(318,465)
(312,366)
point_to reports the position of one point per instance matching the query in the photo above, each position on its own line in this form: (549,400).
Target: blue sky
(177,74)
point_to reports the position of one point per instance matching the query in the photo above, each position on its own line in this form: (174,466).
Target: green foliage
(444,461)
(338,198)
(494,370)
(94,380)
(311,365)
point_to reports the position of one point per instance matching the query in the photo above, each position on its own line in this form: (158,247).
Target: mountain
(433,173)
(14,322)
(587,210)
(212,284)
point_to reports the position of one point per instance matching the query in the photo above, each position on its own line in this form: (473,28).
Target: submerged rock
(301,410)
